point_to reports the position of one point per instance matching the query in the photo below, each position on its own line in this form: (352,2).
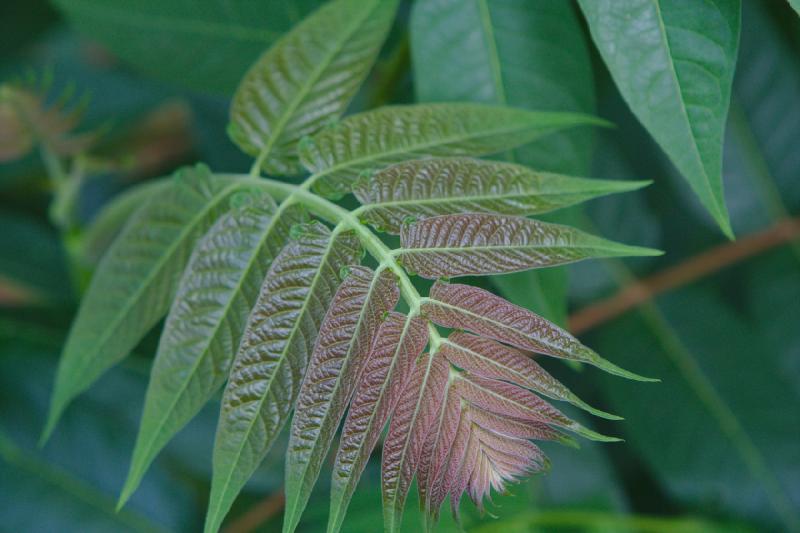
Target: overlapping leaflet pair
(263,291)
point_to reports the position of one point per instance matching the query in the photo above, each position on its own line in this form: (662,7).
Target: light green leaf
(390,134)
(107,224)
(673,62)
(430,187)
(203,44)
(216,293)
(339,357)
(136,280)
(524,53)
(307,78)
(795,5)
(272,357)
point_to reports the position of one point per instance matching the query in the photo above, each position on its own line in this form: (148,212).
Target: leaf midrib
(308,84)
(209,338)
(283,357)
(292,500)
(688,124)
(374,157)
(158,266)
(352,479)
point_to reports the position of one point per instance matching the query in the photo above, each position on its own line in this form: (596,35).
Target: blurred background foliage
(714,447)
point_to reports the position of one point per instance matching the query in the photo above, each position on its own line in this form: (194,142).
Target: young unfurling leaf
(491,359)
(466,307)
(398,342)
(474,244)
(284,310)
(339,357)
(430,187)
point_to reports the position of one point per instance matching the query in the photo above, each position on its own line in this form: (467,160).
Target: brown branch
(683,273)
(258,514)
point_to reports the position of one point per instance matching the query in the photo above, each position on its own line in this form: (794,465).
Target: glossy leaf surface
(673,62)
(459,306)
(340,355)
(430,187)
(373,139)
(398,343)
(307,78)
(136,280)
(202,332)
(277,342)
(475,244)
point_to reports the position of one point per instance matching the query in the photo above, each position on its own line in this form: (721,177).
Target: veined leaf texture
(266,296)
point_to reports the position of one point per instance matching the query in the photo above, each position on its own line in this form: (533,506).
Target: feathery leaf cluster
(265,296)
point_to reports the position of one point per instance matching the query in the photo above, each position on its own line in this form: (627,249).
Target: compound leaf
(216,293)
(673,62)
(398,343)
(459,306)
(272,357)
(307,78)
(475,244)
(339,357)
(430,187)
(136,280)
(391,134)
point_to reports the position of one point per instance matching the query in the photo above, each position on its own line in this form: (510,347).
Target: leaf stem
(343,218)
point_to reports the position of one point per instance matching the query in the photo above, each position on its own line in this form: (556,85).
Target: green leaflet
(795,5)
(136,280)
(391,134)
(336,365)
(216,293)
(272,357)
(530,54)
(673,63)
(105,227)
(307,78)
(430,187)
(204,44)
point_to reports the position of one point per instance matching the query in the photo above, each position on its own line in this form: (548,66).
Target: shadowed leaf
(398,343)
(673,62)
